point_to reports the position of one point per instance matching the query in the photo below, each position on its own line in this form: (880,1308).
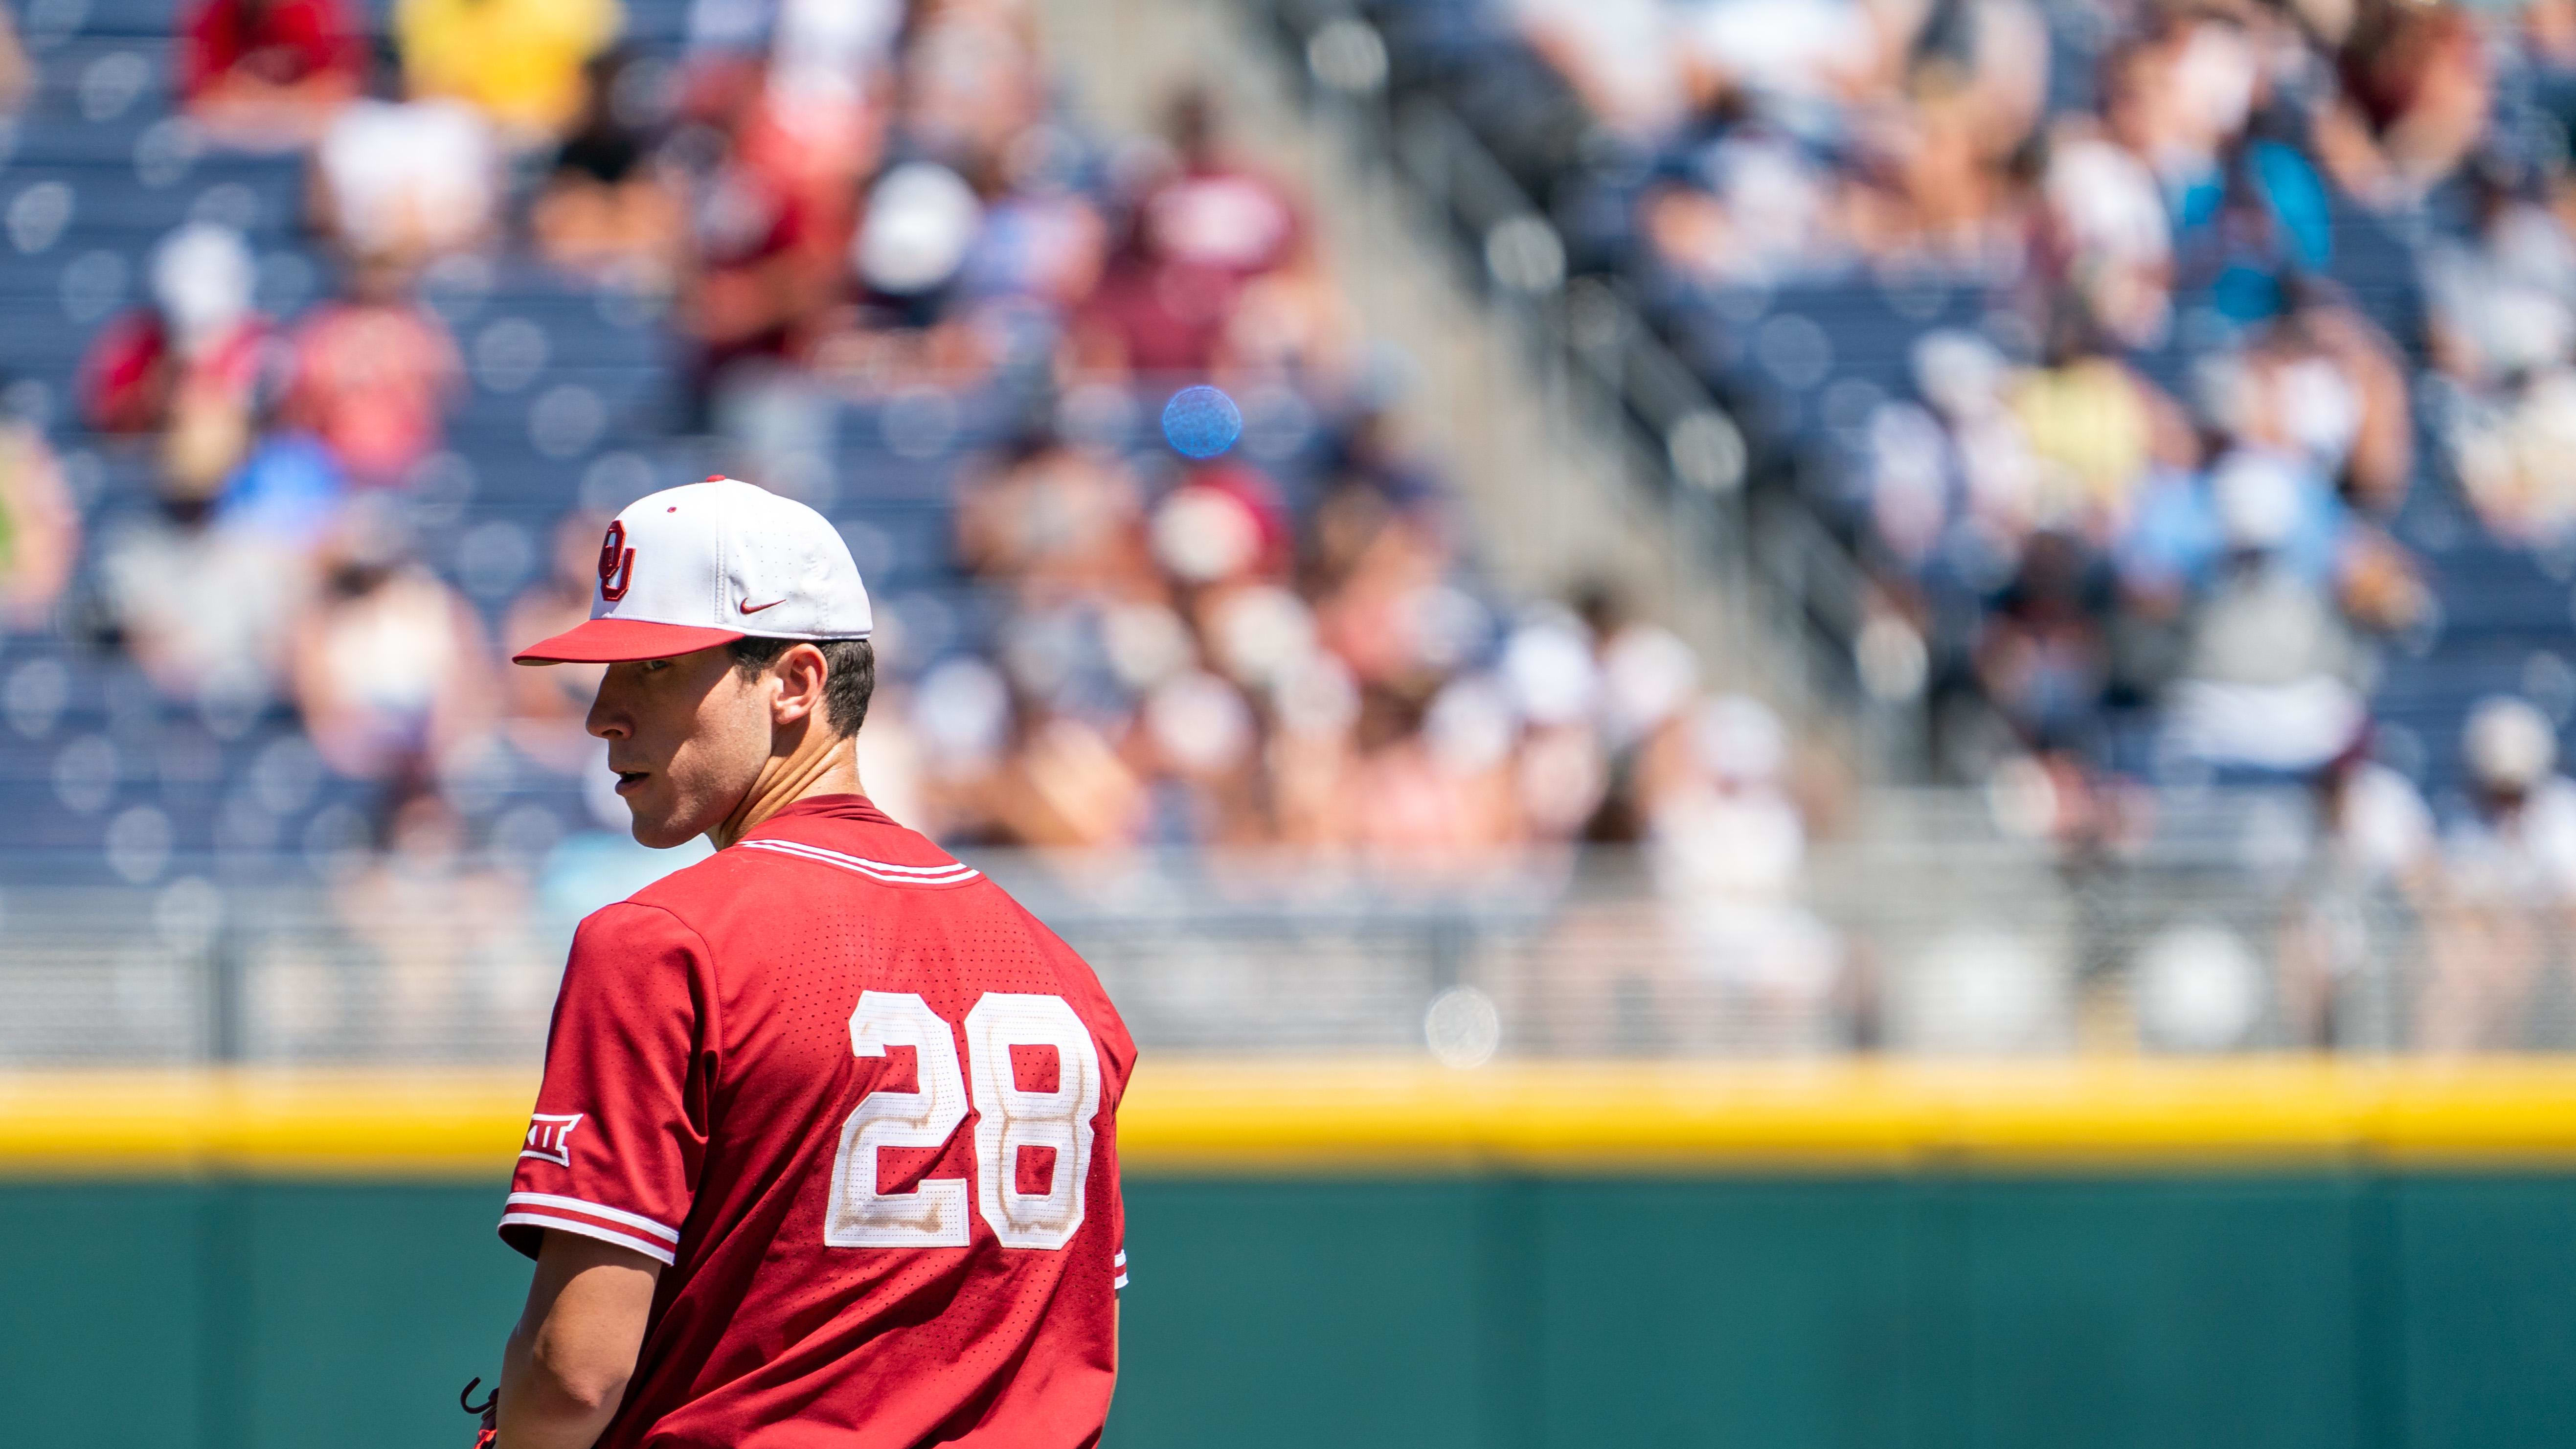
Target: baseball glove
(490,1409)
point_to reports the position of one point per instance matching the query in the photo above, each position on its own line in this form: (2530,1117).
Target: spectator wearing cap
(1551,673)
(2368,880)
(195,371)
(2340,396)
(2510,874)
(2270,673)
(186,366)
(1727,845)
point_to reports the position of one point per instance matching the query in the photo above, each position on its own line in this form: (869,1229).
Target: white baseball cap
(692,567)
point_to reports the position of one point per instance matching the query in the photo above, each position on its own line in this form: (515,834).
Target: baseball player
(826,1148)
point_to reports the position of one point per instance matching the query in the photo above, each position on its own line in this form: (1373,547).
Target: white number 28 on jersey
(933,1215)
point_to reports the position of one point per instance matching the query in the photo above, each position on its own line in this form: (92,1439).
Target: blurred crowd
(2156,515)
(2145,510)
(2145,513)
(843,203)
(867,215)
(2075,540)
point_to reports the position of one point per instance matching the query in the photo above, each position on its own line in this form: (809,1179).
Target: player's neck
(813,768)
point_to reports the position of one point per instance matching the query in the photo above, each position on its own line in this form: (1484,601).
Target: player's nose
(607,719)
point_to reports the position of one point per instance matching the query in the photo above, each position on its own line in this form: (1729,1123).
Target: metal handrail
(1806,586)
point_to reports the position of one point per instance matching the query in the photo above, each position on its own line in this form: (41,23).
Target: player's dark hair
(849,674)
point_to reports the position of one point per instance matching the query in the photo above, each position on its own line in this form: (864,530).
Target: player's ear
(799,675)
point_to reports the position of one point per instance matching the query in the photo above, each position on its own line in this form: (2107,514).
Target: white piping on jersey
(592,1230)
(840,857)
(949,874)
(597,1210)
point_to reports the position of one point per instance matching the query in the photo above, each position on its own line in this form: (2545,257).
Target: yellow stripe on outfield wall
(1185,1115)
(1864,1115)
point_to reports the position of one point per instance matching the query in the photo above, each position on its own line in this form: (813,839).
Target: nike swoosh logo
(756,608)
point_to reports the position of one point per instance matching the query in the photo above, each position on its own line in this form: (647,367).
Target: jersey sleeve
(619,1134)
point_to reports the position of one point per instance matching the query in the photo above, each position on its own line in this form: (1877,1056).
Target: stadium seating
(1800,363)
(573,402)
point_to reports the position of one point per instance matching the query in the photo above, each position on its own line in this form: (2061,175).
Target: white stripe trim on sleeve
(949,874)
(1121,1283)
(1121,1260)
(590,1230)
(597,1210)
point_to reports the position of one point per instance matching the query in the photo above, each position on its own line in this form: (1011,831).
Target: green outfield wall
(2121,1253)
(1921,1309)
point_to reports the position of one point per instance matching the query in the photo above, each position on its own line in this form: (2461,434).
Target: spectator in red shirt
(269,72)
(769,229)
(185,368)
(1197,240)
(373,374)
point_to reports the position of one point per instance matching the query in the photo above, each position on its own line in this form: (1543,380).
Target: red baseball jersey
(864,1106)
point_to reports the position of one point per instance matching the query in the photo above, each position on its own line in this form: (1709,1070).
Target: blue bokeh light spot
(1201,422)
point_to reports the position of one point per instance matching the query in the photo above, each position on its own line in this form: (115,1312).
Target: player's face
(687,737)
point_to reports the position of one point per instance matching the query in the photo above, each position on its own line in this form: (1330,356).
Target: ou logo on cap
(616,564)
(726,557)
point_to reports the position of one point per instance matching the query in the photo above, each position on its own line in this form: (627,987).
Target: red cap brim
(614,641)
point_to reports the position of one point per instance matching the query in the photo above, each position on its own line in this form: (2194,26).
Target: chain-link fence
(2227,921)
